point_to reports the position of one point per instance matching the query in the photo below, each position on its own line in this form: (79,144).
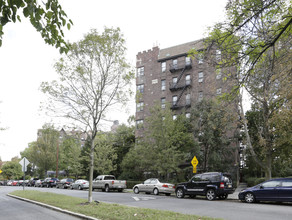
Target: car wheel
(210,194)
(249,198)
(107,188)
(222,197)
(180,193)
(136,190)
(79,187)
(71,187)
(156,191)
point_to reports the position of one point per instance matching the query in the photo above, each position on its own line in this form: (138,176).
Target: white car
(80,184)
(154,186)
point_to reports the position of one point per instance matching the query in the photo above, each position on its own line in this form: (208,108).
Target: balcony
(179,66)
(179,85)
(177,105)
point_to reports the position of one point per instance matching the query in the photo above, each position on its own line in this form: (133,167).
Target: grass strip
(103,211)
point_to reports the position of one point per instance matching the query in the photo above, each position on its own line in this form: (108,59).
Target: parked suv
(211,185)
(49,182)
(64,183)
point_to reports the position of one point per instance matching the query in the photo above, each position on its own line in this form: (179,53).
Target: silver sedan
(80,184)
(154,186)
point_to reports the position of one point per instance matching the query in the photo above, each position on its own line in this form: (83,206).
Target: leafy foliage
(47,18)
(94,76)
(214,125)
(12,170)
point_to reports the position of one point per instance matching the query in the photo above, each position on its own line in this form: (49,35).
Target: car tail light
(173,187)
(113,182)
(221,185)
(164,185)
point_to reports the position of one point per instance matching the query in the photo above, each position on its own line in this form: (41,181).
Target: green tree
(70,152)
(43,152)
(123,140)
(166,144)
(214,126)
(255,39)
(48,18)
(94,77)
(12,170)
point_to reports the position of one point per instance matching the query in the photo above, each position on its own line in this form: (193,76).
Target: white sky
(26,61)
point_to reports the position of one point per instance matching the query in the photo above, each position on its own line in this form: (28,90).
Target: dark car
(64,183)
(32,181)
(211,185)
(279,190)
(49,182)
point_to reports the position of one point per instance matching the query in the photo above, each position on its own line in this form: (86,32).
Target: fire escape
(180,83)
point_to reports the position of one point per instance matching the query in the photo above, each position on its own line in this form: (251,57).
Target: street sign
(194,163)
(1,171)
(24,162)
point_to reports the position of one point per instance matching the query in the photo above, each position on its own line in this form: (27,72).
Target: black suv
(64,183)
(49,182)
(212,185)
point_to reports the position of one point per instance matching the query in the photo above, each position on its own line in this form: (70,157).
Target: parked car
(20,183)
(108,182)
(64,183)
(38,183)
(279,190)
(14,183)
(50,182)
(9,182)
(32,181)
(80,184)
(154,186)
(211,185)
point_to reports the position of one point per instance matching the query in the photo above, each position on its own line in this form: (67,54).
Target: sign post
(24,162)
(194,163)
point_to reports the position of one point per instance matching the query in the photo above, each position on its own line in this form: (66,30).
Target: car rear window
(287,183)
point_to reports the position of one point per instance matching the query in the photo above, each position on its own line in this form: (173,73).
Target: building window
(188,79)
(140,71)
(219,90)
(201,76)
(218,54)
(140,106)
(163,66)
(140,88)
(200,58)
(163,103)
(174,117)
(218,73)
(188,99)
(174,63)
(139,123)
(200,96)
(174,81)
(163,84)
(174,100)
(188,115)
(188,61)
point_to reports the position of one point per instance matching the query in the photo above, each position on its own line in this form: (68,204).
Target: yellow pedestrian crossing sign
(194,163)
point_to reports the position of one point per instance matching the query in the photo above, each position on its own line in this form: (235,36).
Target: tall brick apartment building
(170,76)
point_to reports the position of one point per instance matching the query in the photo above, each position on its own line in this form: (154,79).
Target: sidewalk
(240,187)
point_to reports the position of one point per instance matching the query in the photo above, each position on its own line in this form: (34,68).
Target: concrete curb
(54,208)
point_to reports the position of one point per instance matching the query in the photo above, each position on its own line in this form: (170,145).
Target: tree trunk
(91,171)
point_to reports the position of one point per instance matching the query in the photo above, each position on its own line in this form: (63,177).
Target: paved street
(229,209)
(14,209)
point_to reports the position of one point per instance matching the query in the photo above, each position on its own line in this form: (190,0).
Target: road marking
(143,198)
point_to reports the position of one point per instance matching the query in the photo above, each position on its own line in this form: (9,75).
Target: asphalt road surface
(227,209)
(14,209)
